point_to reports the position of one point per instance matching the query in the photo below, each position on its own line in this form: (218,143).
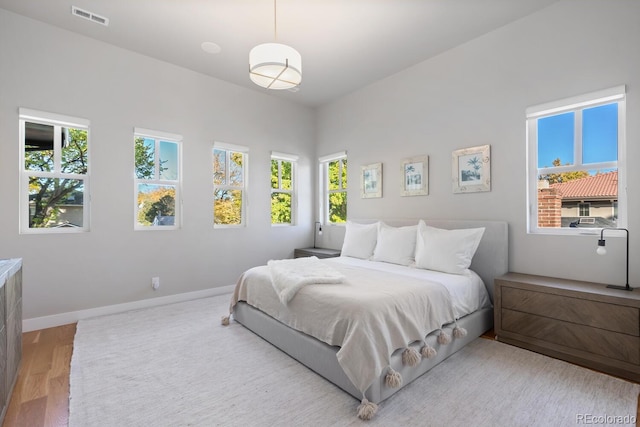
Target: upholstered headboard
(492,256)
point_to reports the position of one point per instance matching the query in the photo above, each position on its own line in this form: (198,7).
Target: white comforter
(376,310)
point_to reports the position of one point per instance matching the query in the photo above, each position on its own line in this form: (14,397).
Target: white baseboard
(44,322)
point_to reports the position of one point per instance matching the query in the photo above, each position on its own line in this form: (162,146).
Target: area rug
(176,365)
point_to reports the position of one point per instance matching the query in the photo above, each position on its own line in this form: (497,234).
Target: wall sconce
(316,231)
(602,251)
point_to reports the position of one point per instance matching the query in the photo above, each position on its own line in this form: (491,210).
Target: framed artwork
(415,176)
(371,181)
(471,169)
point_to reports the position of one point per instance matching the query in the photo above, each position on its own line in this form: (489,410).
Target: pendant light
(275,65)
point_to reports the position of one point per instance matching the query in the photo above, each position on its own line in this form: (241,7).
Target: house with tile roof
(586,202)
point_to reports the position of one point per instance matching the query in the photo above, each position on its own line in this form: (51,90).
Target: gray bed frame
(490,261)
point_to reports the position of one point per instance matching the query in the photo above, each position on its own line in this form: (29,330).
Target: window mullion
(165,182)
(326,191)
(40,174)
(156,159)
(279,174)
(57,150)
(577,140)
(70,176)
(570,168)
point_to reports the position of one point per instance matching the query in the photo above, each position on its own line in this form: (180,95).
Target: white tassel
(444,338)
(459,332)
(393,379)
(225,320)
(427,351)
(410,357)
(366,409)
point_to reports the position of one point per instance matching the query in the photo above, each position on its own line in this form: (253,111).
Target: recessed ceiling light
(211,47)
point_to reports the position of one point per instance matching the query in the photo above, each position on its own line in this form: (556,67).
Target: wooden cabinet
(318,252)
(10,328)
(581,322)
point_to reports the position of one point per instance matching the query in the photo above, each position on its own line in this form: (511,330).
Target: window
(229,184)
(576,167)
(333,178)
(283,188)
(54,178)
(157,180)
(584,209)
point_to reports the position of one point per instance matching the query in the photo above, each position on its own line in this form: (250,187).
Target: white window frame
(158,136)
(58,121)
(575,104)
(323,179)
(293,192)
(244,150)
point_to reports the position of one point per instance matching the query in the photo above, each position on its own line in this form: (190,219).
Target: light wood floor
(41,395)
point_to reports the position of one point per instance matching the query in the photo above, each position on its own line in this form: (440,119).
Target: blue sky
(169,155)
(599,136)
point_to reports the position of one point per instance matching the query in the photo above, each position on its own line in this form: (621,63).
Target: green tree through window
(337,190)
(228,182)
(56,166)
(157,178)
(281,191)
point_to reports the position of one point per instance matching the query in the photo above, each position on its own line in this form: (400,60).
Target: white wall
(471,95)
(48,69)
(477,94)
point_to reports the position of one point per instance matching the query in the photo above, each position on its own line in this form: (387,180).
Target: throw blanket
(289,275)
(369,315)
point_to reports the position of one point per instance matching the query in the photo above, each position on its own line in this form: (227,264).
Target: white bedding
(364,315)
(468,292)
(288,276)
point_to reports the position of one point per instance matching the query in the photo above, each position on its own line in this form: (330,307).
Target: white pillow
(449,251)
(359,240)
(396,245)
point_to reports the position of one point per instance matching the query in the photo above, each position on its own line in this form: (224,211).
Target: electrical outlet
(155,283)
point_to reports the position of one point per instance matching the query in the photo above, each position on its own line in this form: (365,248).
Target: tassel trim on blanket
(444,338)
(427,351)
(393,379)
(225,320)
(411,357)
(366,409)
(459,332)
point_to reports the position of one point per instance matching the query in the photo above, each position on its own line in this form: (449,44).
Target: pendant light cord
(275,22)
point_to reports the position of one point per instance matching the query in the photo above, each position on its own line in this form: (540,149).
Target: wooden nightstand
(581,322)
(318,252)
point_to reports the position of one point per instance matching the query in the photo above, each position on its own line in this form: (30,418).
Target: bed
(371,354)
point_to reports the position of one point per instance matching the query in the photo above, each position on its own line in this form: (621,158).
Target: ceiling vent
(89,16)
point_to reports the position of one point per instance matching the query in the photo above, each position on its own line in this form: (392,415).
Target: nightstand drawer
(580,322)
(600,315)
(580,337)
